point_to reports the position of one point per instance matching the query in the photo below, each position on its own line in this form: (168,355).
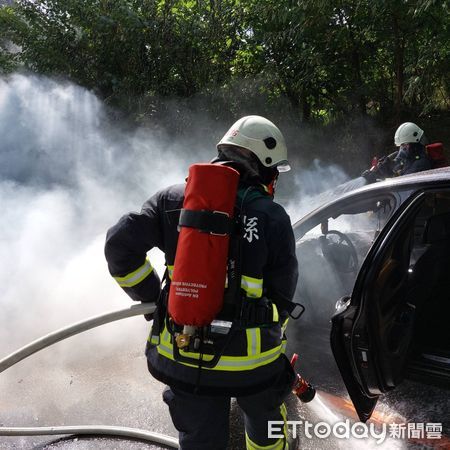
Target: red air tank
(200,268)
(436,153)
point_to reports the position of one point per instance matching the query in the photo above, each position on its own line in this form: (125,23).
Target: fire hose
(96,430)
(302,389)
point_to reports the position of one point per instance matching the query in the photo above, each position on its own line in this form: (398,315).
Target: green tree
(124,49)
(339,57)
(331,59)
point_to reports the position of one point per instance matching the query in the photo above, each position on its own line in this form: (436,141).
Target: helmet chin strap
(270,188)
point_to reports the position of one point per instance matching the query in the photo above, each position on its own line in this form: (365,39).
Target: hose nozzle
(301,388)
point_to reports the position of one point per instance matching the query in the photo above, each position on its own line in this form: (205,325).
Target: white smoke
(306,188)
(66,175)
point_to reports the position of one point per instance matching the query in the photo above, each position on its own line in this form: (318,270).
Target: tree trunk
(399,54)
(306,107)
(356,63)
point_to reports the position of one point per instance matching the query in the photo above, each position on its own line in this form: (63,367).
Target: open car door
(372,331)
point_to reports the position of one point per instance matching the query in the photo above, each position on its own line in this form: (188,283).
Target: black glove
(148,317)
(370,175)
(384,168)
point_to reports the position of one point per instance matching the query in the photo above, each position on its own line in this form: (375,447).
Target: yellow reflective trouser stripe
(228,363)
(283,412)
(280,444)
(252,286)
(135,277)
(253,341)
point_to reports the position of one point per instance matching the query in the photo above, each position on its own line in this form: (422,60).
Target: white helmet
(261,137)
(407,133)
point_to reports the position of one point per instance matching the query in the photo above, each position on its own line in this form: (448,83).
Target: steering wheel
(339,251)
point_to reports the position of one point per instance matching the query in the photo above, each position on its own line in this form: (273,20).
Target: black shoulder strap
(295,310)
(232,297)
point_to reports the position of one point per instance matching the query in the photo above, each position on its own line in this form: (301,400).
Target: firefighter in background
(253,367)
(411,157)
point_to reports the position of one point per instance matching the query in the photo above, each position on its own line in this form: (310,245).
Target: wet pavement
(82,382)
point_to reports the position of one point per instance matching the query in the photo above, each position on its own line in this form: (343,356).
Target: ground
(76,383)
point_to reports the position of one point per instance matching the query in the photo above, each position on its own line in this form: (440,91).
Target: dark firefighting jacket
(412,159)
(254,356)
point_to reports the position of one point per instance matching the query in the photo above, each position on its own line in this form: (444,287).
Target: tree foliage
(365,56)
(327,58)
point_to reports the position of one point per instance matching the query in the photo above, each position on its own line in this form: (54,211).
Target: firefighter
(253,367)
(410,157)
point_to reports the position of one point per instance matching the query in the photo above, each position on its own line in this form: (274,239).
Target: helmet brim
(283,166)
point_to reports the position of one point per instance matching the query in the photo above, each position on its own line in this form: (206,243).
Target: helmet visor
(283,166)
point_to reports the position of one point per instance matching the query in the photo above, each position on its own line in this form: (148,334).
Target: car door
(372,330)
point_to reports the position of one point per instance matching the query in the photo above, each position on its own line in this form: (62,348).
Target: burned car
(375,281)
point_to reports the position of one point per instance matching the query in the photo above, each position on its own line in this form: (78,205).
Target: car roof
(415,181)
(418,178)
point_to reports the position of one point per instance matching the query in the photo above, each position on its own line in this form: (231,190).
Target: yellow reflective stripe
(228,363)
(253,341)
(275,315)
(231,363)
(283,412)
(250,445)
(170,271)
(135,277)
(153,339)
(283,327)
(165,336)
(279,444)
(252,286)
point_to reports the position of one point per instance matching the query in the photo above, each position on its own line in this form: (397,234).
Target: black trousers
(203,421)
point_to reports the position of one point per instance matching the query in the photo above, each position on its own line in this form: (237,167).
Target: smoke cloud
(310,187)
(66,175)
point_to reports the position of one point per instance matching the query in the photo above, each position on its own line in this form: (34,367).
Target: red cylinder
(198,281)
(436,153)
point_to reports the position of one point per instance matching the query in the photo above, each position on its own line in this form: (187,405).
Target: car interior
(429,284)
(411,289)
(331,251)
(409,296)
